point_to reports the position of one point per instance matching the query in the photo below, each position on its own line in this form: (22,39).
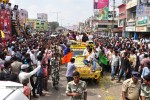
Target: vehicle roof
(9,84)
(10,94)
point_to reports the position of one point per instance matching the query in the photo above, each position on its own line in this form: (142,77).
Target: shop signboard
(141,29)
(130,29)
(141,21)
(130,24)
(142,10)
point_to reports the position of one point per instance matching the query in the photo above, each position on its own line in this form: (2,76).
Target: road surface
(104,90)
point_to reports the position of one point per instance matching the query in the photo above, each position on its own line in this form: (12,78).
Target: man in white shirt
(115,62)
(24,74)
(32,57)
(88,57)
(86,50)
(90,36)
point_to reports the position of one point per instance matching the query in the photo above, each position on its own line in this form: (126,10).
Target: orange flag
(67,58)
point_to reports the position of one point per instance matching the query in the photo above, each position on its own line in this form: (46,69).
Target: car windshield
(77,52)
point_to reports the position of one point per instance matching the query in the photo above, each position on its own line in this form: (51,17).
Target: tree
(53,25)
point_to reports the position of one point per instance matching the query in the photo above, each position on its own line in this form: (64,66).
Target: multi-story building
(38,25)
(143,18)
(122,18)
(131,17)
(23,16)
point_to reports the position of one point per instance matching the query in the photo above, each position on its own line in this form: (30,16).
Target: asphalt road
(104,90)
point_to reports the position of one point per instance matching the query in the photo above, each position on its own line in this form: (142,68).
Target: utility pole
(113,21)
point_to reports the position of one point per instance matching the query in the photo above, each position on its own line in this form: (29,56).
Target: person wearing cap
(131,88)
(145,88)
(24,74)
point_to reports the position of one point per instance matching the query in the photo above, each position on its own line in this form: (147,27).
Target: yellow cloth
(2,34)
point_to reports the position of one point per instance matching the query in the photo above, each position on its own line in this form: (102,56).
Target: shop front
(141,29)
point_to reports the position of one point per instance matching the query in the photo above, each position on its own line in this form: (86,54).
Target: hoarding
(5,21)
(42,16)
(101,9)
(142,10)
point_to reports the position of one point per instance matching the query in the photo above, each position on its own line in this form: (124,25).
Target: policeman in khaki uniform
(77,88)
(145,88)
(131,88)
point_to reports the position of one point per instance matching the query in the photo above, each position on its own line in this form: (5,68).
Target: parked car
(11,91)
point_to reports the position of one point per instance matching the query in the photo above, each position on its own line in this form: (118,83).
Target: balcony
(131,3)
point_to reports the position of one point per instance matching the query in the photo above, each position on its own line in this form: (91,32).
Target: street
(104,90)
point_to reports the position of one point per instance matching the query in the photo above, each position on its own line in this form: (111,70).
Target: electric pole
(113,21)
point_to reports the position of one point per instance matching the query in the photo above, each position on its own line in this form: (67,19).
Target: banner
(5,22)
(100,4)
(103,3)
(142,11)
(101,9)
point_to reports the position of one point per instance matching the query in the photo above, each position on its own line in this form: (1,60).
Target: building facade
(122,18)
(38,25)
(130,17)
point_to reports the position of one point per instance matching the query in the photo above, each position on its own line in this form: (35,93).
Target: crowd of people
(24,58)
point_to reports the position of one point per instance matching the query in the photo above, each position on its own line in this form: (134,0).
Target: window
(102,26)
(37,23)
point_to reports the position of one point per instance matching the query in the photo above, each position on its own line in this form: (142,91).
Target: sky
(70,12)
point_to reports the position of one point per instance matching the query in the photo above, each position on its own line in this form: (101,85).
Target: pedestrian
(24,74)
(145,88)
(27,90)
(77,88)
(6,70)
(146,70)
(125,67)
(115,63)
(40,76)
(131,87)
(55,70)
(70,69)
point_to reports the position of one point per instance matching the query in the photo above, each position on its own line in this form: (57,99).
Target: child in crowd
(27,90)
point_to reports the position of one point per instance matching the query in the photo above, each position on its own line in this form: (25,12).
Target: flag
(2,34)
(135,36)
(103,59)
(67,58)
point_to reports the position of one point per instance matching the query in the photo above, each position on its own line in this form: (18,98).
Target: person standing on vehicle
(85,37)
(77,88)
(70,68)
(131,88)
